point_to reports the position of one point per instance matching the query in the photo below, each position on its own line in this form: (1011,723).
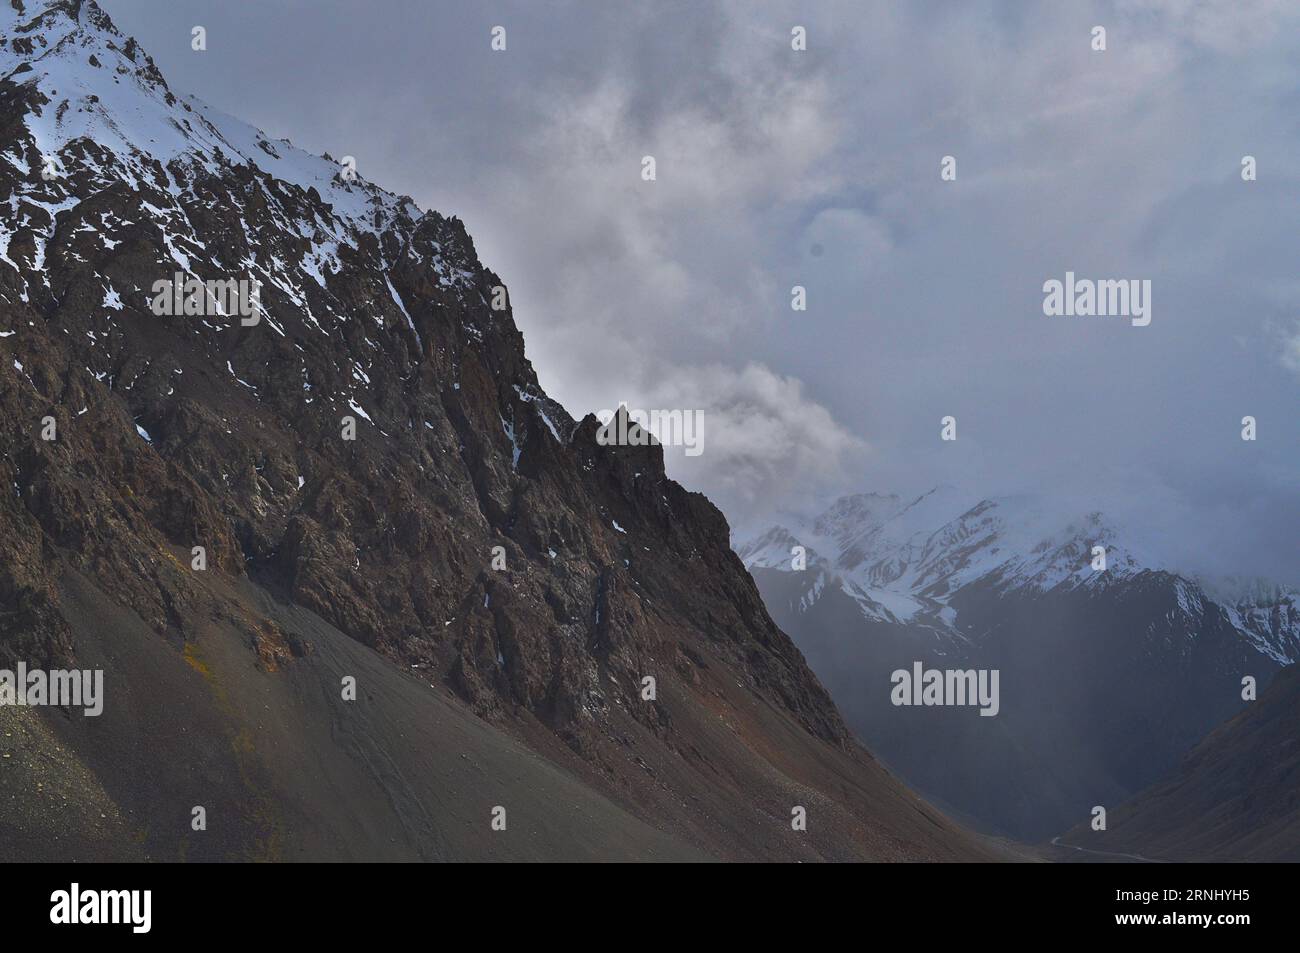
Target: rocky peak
(369,445)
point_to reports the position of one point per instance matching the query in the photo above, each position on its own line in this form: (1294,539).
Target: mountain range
(1113,662)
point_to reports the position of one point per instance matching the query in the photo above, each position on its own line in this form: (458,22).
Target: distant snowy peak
(776,548)
(943,539)
(1267,612)
(857,512)
(903,561)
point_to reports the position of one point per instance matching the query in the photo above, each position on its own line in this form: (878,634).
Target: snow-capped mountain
(907,561)
(1107,675)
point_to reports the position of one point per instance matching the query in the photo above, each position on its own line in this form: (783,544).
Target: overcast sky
(822,169)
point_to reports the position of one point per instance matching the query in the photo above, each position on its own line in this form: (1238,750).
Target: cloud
(1222,25)
(1290,354)
(764,439)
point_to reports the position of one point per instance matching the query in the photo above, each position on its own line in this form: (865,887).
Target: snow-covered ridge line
(94,118)
(903,561)
(101,88)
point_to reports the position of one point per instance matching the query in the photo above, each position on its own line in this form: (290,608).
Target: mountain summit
(237,512)
(910,560)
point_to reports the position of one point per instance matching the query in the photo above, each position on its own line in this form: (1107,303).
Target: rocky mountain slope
(130,437)
(1235,797)
(1108,676)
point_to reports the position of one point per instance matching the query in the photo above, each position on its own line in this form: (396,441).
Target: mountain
(1107,676)
(349,473)
(1233,798)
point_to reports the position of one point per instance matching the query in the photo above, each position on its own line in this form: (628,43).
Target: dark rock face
(390,536)
(182,431)
(1103,690)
